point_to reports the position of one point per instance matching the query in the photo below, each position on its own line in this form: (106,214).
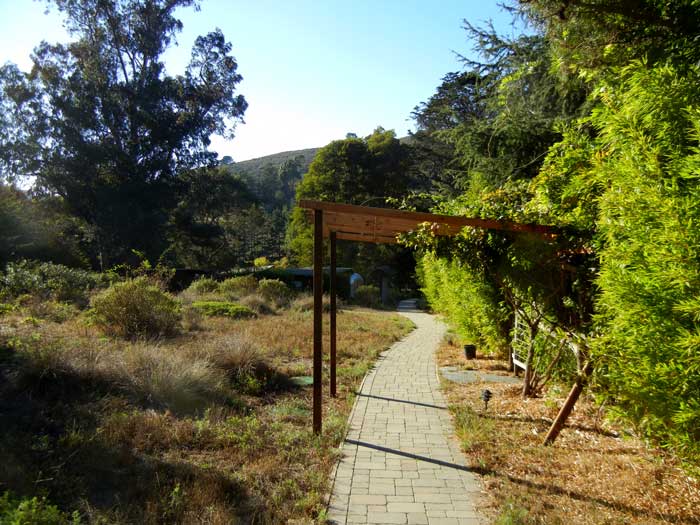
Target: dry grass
(203,427)
(595,473)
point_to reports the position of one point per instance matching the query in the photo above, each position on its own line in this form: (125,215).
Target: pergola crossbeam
(348,222)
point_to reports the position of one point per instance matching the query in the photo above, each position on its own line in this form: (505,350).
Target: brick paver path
(399,463)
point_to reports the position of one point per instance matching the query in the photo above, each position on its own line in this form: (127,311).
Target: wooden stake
(568,405)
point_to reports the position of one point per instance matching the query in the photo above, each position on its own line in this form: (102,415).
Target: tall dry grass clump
(169,379)
(258,304)
(305,303)
(149,374)
(234,353)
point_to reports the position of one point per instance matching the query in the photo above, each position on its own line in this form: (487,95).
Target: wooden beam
(367,237)
(318,312)
(339,221)
(333,291)
(367,212)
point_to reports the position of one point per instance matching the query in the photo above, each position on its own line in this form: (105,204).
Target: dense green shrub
(467,300)
(34,511)
(367,295)
(223,309)
(48,281)
(650,256)
(204,285)
(240,286)
(275,290)
(136,308)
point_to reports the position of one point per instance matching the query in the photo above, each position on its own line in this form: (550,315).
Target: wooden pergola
(378,225)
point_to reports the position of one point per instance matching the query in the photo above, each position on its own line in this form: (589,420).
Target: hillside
(255,166)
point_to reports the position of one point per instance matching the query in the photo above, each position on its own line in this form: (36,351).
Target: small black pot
(470,351)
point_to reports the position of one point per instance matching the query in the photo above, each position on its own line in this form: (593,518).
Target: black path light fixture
(486,396)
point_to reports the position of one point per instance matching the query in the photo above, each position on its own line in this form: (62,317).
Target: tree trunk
(527,378)
(511,364)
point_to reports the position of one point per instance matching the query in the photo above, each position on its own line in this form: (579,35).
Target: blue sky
(313,70)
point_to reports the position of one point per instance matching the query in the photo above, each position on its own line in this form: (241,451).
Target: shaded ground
(453,373)
(201,428)
(596,473)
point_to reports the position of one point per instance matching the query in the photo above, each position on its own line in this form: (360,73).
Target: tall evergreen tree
(98,121)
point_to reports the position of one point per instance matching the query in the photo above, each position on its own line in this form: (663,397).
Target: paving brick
(460,514)
(430,498)
(367,499)
(387,517)
(406,507)
(443,521)
(417,518)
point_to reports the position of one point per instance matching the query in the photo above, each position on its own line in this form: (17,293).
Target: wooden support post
(318,312)
(333,291)
(568,405)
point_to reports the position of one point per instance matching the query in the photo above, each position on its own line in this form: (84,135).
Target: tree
(38,229)
(353,171)
(207,199)
(99,123)
(590,37)
(499,116)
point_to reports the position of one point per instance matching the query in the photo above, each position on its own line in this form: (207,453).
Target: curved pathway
(400,464)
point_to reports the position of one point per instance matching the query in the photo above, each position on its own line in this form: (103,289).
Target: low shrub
(48,281)
(34,511)
(6,308)
(367,295)
(223,309)
(275,290)
(204,285)
(258,304)
(52,310)
(136,308)
(236,287)
(305,303)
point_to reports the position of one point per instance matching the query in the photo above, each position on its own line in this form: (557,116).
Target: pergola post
(333,291)
(318,312)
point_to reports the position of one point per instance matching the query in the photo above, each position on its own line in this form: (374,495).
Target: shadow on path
(415,456)
(401,401)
